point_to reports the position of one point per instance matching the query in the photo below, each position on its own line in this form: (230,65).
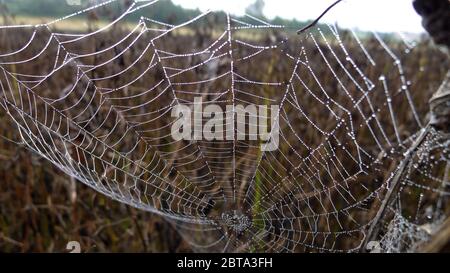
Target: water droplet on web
(382,78)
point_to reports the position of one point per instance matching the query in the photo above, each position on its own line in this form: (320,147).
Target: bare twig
(10,240)
(313,23)
(374,228)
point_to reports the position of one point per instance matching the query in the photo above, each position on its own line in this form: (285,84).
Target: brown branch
(392,190)
(313,23)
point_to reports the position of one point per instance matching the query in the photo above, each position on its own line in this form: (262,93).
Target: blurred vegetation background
(23,11)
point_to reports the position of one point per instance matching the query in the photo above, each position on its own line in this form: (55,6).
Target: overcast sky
(378,15)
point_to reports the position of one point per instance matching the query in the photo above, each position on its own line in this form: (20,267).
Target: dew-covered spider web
(356,162)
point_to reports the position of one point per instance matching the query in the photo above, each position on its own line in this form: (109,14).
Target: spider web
(97,104)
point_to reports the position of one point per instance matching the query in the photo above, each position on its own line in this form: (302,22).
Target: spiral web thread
(97,104)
